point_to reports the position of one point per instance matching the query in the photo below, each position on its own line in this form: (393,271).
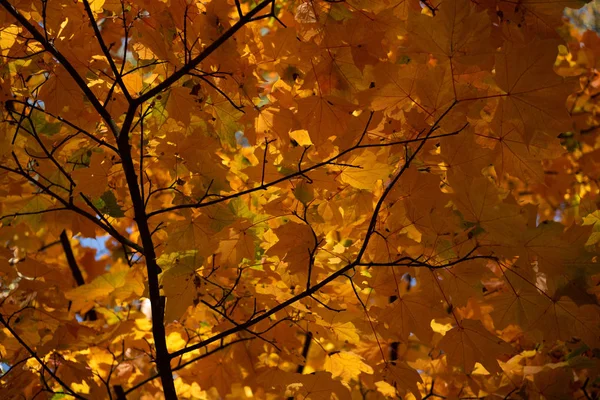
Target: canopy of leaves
(311,199)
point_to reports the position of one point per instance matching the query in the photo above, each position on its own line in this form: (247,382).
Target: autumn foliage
(309,199)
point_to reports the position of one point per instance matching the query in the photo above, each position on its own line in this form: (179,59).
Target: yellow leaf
(365,171)
(181,104)
(84,296)
(133,82)
(301,137)
(8,36)
(96,5)
(342,331)
(179,282)
(346,365)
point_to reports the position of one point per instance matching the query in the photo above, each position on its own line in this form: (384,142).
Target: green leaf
(304,192)
(107,204)
(42,125)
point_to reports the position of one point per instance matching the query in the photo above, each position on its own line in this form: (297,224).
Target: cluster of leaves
(310,199)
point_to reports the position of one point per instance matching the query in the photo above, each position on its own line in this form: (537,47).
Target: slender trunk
(163,359)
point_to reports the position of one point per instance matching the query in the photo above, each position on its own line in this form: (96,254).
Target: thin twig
(39,360)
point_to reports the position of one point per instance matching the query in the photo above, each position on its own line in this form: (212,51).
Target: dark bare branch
(39,360)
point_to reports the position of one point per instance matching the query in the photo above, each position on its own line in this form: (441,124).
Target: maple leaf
(366,169)
(323,117)
(469,343)
(92,180)
(393,91)
(180,102)
(318,386)
(180,282)
(525,75)
(113,286)
(240,245)
(460,33)
(60,92)
(338,326)
(513,155)
(410,313)
(401,376)
(295,245)
(346,365)
(191,232)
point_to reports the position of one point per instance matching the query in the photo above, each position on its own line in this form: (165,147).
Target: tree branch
(188,362)
(156,300)
(105,51)
(65,63)
(70,206)
(75,271)
(313,289)
(39,360)
(100,142)
(22,214)
(187,68)
(299,173)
